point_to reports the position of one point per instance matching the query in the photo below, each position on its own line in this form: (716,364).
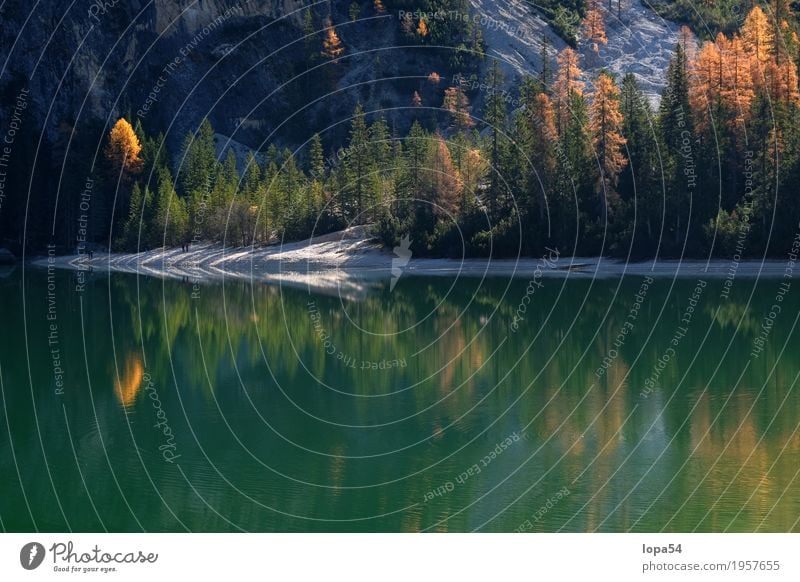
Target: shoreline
(350,259)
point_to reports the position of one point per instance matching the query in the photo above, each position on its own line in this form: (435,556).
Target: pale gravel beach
(350,262)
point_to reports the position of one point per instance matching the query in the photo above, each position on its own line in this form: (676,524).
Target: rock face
(190,16)
(6,257)
(166,64)
(640,41)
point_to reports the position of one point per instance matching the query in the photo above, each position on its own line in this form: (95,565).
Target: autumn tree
(593,28)
(567,84)
(457,104)
(758,36)
(332,47)
(422,28)
(605,127)
(444,181)
(123,149)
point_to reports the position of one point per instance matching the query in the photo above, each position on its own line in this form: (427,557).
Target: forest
(587,166)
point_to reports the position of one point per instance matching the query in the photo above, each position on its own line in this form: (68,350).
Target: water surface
(444,405)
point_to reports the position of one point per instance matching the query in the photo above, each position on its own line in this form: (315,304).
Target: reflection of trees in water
(463,341)
(129,383)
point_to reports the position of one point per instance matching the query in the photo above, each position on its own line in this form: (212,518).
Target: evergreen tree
(496,115)
(357,163)
(639,184)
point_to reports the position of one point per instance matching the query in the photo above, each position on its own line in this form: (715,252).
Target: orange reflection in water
(129,384)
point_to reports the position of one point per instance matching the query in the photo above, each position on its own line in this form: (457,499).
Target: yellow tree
(782,86)
(736,91)
(705,82)
(123,148)
(758,36)
(422,28)
(445,180)
(605,128)
(332,47)
(457,103)
(568,83)
(544,129)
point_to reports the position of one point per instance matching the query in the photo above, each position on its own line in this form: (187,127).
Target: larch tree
(445,181)
(737,86)
(567,85)
(593,28)
(422,28)
(605,128)
(123,149)
(332,47)
(457,104)
(705,83)
(758,34)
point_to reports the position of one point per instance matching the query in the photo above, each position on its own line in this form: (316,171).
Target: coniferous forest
(585,164)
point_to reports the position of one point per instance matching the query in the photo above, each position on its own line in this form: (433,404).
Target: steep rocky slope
(640,41)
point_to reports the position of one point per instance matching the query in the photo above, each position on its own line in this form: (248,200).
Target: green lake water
(441,404)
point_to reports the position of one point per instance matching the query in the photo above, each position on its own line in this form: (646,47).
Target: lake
(437,404)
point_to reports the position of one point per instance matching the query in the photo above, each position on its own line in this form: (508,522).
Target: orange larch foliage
(457,103)
(446,179)
(566,85)
(422,28)
(332,47)
(123,148)
(605,127)
(593,27)
(758,35)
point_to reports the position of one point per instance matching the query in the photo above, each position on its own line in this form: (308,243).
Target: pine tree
(496,116)
(130,231)
(677,131)
(316,159)
(357,161)
(639,183)
(198,162)
(170,219)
